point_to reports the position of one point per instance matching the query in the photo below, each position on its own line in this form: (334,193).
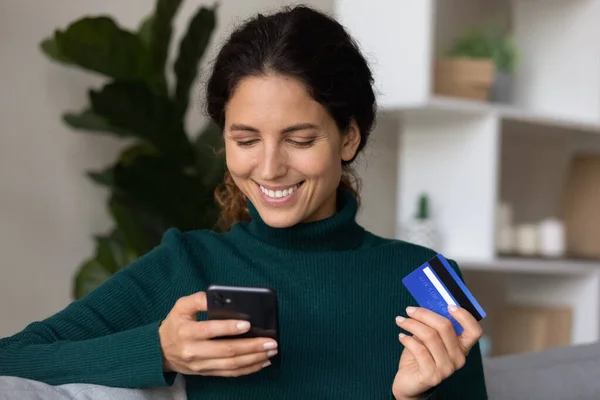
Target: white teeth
(277,194)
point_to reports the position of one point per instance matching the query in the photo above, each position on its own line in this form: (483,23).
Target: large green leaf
(99,45)
(91,275)
(142,230)
(145,30)
(162,187)
(87,120)
(210,155)
(192,48)
(130,154)
(160,38)
(133,107)
(50,48)
(104,178)
(112,255)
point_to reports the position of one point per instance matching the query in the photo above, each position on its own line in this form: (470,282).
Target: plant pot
(422,232)
(464,77)
(502,88)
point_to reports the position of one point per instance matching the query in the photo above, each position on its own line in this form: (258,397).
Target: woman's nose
(273,163)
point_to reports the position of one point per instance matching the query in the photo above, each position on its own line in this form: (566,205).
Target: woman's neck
(338,230)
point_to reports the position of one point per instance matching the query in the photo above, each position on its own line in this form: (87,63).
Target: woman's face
(284,151)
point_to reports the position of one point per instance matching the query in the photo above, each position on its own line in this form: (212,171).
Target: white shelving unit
(470,155)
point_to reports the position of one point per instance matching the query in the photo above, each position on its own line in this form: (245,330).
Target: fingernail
(400,319)
(271,353)
(401,335)
(410,310)
(265,365)
(270,345)
(242,326)
(452,308)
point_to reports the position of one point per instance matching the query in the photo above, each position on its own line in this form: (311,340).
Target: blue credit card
(435,285)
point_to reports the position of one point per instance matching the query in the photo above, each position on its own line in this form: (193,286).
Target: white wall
(378,169)
(48,209)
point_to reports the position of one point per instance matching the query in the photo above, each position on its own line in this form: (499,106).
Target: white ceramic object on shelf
(551,238)
(505,240)
(505,232)
(422,232)
(527,239)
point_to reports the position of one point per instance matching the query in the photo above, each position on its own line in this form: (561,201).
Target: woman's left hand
(434,351)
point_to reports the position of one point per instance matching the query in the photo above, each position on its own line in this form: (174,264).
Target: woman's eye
(246,143)
(303,143)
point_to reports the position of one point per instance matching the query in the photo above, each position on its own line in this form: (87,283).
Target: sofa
(568,373)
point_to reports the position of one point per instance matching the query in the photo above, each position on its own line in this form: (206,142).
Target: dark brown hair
(306,44)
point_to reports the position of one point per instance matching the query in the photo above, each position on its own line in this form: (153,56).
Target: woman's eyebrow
(289,129)
(299,127)
(241,127)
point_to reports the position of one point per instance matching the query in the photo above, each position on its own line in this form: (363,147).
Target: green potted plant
(467,69)
(421,229)
(479,66)
(164,177)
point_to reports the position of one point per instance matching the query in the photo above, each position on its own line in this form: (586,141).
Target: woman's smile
(278,196)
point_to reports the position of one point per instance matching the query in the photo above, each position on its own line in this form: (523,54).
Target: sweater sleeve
(109,337)
(468,383)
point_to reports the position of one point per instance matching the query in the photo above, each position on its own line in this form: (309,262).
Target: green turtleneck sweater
(339,290)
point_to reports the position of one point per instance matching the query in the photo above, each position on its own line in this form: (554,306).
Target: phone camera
(218,299)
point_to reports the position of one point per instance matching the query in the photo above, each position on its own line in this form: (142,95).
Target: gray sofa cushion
(12,388)
(570,373)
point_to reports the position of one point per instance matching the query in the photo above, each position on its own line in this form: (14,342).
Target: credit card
(435,286)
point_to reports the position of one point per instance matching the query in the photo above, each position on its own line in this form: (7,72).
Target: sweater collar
(336,233)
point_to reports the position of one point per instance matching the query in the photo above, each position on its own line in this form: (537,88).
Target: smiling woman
(288,164)
(258,78)
(294,99)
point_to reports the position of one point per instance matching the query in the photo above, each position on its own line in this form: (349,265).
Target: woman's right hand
(188,348)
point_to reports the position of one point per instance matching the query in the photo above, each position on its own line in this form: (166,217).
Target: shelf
(556,77)
(468,156)
(580,293)
(533,266)
(470,107)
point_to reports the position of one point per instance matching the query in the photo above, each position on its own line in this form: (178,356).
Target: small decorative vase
(422,232)
(421,229)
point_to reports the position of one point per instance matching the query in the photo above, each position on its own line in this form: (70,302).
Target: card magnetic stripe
(451,284)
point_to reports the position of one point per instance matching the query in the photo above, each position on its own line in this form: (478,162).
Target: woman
(293,96)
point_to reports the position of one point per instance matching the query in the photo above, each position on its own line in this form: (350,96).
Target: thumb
(188,306)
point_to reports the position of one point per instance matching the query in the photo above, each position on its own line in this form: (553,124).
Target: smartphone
(258,305)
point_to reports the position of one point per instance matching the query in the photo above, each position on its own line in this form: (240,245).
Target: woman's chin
(279,218)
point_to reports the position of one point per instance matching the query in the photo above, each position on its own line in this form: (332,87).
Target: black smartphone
(258,305)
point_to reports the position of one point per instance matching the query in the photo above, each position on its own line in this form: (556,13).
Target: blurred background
(486,146)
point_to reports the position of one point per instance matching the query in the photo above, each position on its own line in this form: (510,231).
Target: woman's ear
(350,141)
